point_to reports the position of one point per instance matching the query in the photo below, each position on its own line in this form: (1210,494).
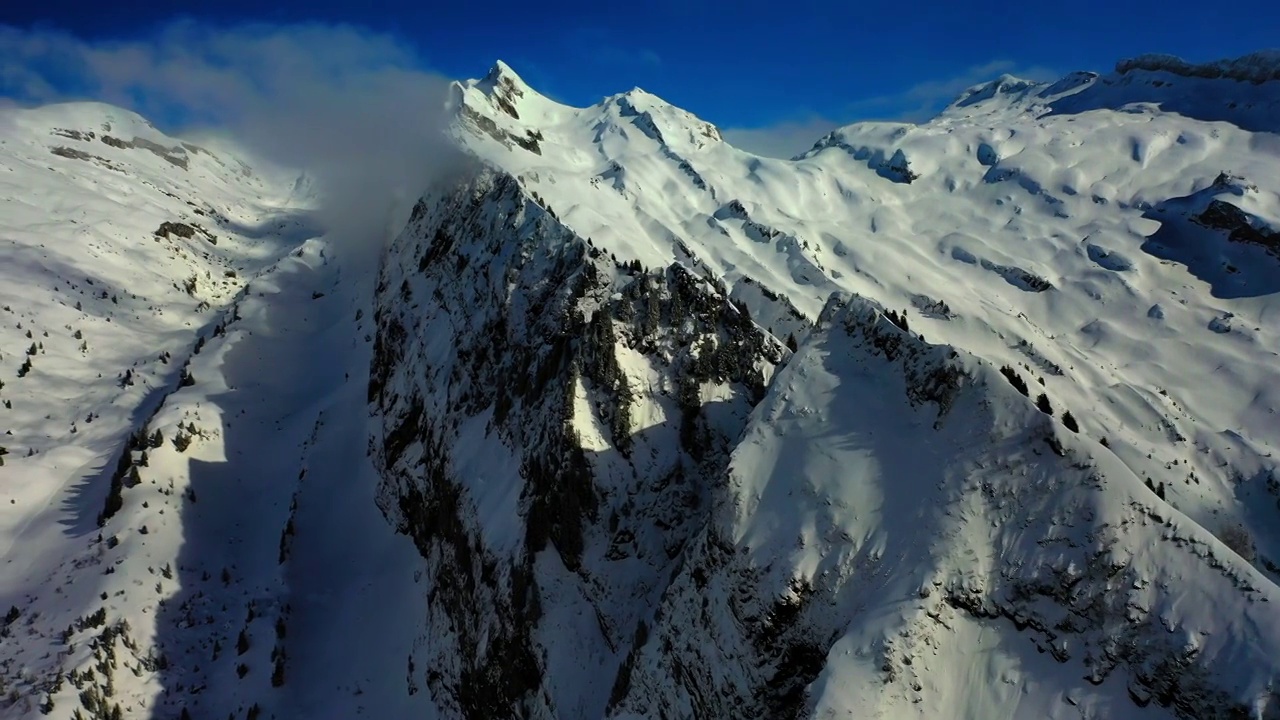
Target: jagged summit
(503,108)
(501,88)
(502,82)
(502,70)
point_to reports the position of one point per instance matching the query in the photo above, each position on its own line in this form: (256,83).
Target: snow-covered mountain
(1020,464)
(180,438)
(974,418)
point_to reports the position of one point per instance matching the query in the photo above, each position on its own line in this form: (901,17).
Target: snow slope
(1044,234)
(1096,257)
(973,418)
(174,483)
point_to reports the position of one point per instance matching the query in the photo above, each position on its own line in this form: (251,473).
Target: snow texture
(974,418)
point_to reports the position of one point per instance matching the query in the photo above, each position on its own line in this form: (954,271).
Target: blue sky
(787,67)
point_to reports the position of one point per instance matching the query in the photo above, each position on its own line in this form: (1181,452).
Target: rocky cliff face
(626,513)
(553,425)
(648,484)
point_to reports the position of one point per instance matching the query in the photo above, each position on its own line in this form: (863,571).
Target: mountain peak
(502,72)
(503,84)
(501,96)
(1008,86)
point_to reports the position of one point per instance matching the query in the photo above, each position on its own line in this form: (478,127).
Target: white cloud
(354,108)
(917,103)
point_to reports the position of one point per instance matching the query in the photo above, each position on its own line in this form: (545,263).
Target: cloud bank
(355,110)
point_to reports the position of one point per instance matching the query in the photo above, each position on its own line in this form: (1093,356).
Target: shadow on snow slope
(329,596)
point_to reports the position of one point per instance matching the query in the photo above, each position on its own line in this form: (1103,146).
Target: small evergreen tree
(1015,380)
(1042,402)
(277,673)
(1069,420)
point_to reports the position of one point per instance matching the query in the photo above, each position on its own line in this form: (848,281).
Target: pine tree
(1015,380)
(277,673)
(1069,420)
(1042,402)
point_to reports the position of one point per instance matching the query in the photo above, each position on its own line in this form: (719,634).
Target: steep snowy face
(1073,478)
(902,532)
(548,422)
(124,259)
(118,243)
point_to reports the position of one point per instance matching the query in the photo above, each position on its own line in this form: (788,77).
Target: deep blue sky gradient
(744,64)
